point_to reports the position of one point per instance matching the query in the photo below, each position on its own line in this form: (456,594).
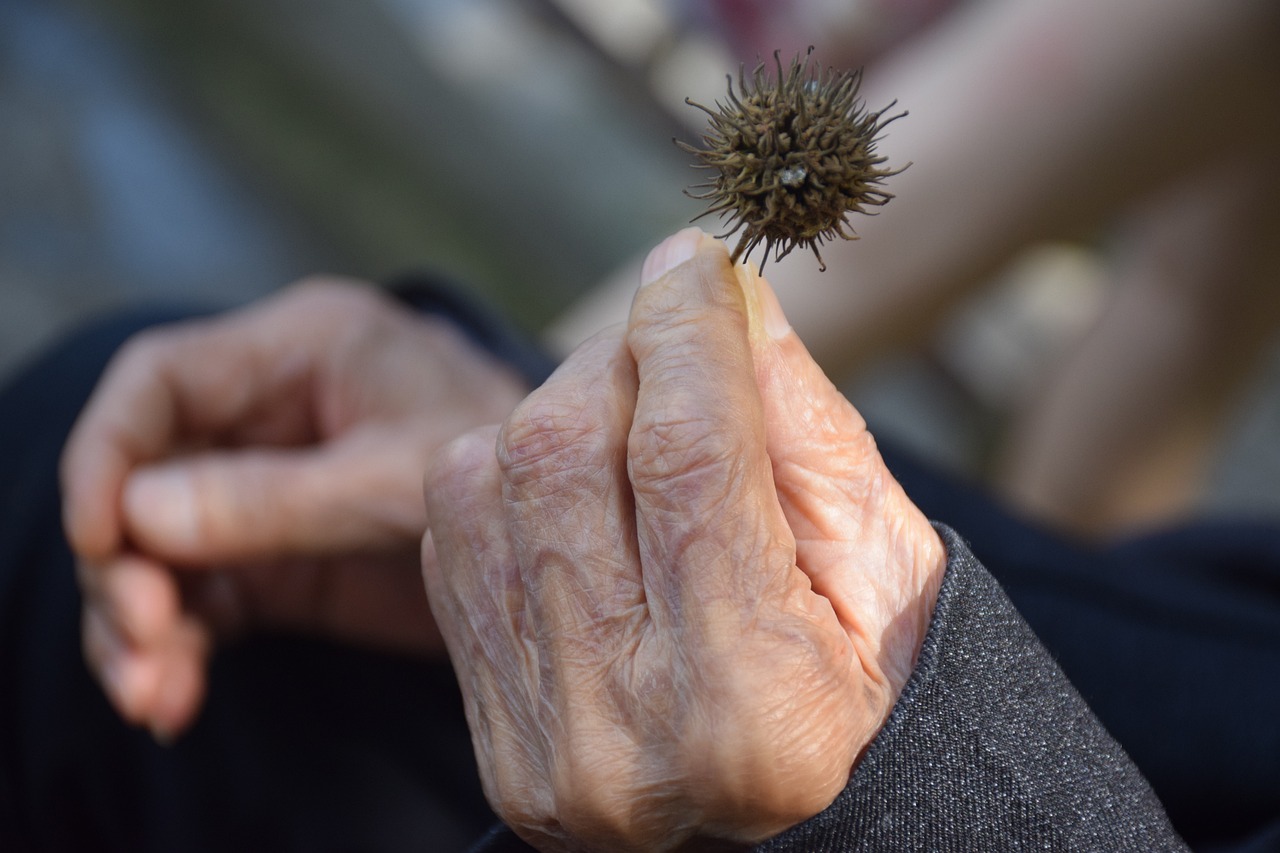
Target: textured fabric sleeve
(988,748)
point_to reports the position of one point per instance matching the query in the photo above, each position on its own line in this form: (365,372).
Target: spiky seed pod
(792,157)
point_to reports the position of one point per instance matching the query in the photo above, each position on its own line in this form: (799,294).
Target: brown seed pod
(792,157)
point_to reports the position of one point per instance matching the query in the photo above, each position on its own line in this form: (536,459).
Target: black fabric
(1172,637)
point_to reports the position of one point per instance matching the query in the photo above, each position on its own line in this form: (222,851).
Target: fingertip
(178,699)
(766,312)
(90,507)
(132,634)
(427,556)
(140,598)
(130,680)
(127,419)
(162,686)
(465,458)
(679,248)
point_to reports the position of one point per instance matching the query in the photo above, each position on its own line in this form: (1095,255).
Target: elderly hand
(262,468)
(684,593)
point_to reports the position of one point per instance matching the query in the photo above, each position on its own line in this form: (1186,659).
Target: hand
(262,468)
(684,593)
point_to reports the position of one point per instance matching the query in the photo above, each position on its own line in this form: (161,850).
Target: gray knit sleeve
(989,748)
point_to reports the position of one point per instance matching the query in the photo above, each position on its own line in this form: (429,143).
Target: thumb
(863,544)
(809,421)
(256,504)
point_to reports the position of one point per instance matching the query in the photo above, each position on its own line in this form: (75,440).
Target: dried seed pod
(792,157)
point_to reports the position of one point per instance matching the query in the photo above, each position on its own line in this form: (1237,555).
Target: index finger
(127,420)
(710,528)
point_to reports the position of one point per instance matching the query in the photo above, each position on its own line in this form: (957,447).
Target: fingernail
(161,499)
(776,324)
(671,253)
(764,313)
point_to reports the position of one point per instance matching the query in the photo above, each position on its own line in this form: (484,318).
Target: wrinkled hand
(684,593)
(263,468)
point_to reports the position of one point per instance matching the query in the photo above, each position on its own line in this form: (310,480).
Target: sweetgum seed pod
(791,157)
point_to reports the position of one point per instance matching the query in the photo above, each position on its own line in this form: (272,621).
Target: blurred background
(211,151)
(216,150)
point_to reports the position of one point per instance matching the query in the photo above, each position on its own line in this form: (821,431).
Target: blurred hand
(684,593)
(263,468)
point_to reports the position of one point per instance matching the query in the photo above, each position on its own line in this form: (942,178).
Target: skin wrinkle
(562,583)
(812,504)
(807,426)
(552,441)
(590,783)
(805,503)
(703,285)
(662,715)
(710,485)
(519,738)
(750,755)
(740,684)
(554,578)
(683,440)
(860,606)
(674,725)
(652,808)
(688,591)
(809,507)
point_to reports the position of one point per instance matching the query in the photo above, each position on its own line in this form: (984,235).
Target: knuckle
(209,522)
(462,461)
(149,346)
(594,806)
(689,452)
(551,438)
(331,288)
(813,745)
(333,299)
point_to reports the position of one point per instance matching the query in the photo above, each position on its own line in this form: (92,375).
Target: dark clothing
(303,745)
(1172,637)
